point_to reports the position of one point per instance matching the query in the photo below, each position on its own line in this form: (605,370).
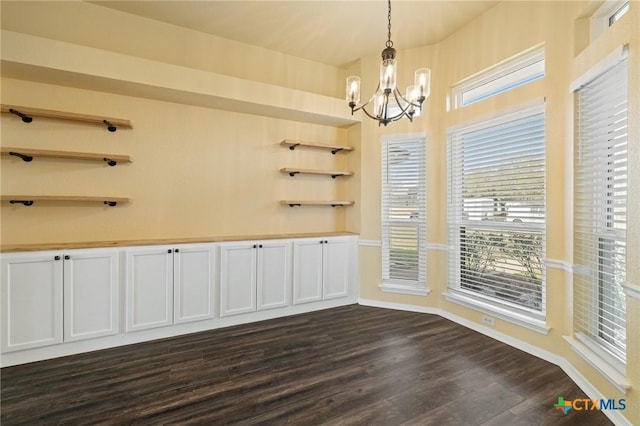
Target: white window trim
(500,70)
(419,287)
(619,54)
(531,319)
(526,319)
(398,287)
(589,348)
(595,357)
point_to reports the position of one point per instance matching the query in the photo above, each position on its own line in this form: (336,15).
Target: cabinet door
(31,293)
(273,274)
(307,271)
(237,278)
(90,294)
(193,272)
(335,269)
(149,284)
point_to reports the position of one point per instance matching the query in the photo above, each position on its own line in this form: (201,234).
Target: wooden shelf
(294,203)
(29,200)
(333,173)
(293,144)
(28,154)
(27,114)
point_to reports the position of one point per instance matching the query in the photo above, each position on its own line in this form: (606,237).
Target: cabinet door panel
(31,301)
(149,288)
(193,283)
(307,271)
(91,294)
(237,279)
(273,275)
(335,269)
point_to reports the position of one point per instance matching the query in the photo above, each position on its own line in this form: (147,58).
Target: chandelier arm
(415,105)
(361,107)
(367,112)
(403,111)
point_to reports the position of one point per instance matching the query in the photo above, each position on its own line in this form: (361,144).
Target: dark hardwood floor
(343,366)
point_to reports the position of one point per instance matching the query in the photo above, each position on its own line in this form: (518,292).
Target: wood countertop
(12,248)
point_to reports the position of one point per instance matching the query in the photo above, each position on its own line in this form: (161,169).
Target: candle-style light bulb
(379,105)
(422,83)
(353,90)
(388,75)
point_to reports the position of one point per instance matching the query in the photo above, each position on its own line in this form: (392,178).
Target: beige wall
(196,171)
(507,29)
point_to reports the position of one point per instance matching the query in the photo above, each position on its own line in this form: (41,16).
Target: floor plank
(352,365)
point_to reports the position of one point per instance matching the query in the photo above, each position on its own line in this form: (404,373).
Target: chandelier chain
(389,43)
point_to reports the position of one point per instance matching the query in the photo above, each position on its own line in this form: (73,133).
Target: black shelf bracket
(111,203)
(294,205)
(293,173)
(25,158)
(335,176)
(110,161)
(25,202)
(293,147)
(333,151)
(24,117)
(110,127)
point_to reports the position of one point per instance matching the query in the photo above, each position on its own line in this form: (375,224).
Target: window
(600,209)
(618,13)
(607,15)
(497,213)
(404,215)
(519,70)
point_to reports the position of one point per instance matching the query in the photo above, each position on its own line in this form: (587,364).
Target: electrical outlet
(488,320)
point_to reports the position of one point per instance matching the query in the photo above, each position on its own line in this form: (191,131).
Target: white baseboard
(615,416)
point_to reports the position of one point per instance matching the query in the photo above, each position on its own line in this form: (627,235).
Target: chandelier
(388,103)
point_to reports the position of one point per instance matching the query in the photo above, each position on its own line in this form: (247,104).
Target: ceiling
(331,32)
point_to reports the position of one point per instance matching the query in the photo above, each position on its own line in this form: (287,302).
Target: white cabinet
(335,268)
(254,276)
(31,300)
(149,283)
(166,285)
(91,289)
(320,269)
(193,281)
(62,302)
(51,297)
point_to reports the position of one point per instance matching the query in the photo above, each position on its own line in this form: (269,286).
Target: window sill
(599,363)
(394,287)
(508,315)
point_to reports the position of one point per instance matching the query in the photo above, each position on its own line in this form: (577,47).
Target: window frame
(528,317)
(595,282)
(518,70)
(606,16)
(390,283)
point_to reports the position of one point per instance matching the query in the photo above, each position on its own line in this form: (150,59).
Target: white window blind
(404,211)
(600,209)
(497,211)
